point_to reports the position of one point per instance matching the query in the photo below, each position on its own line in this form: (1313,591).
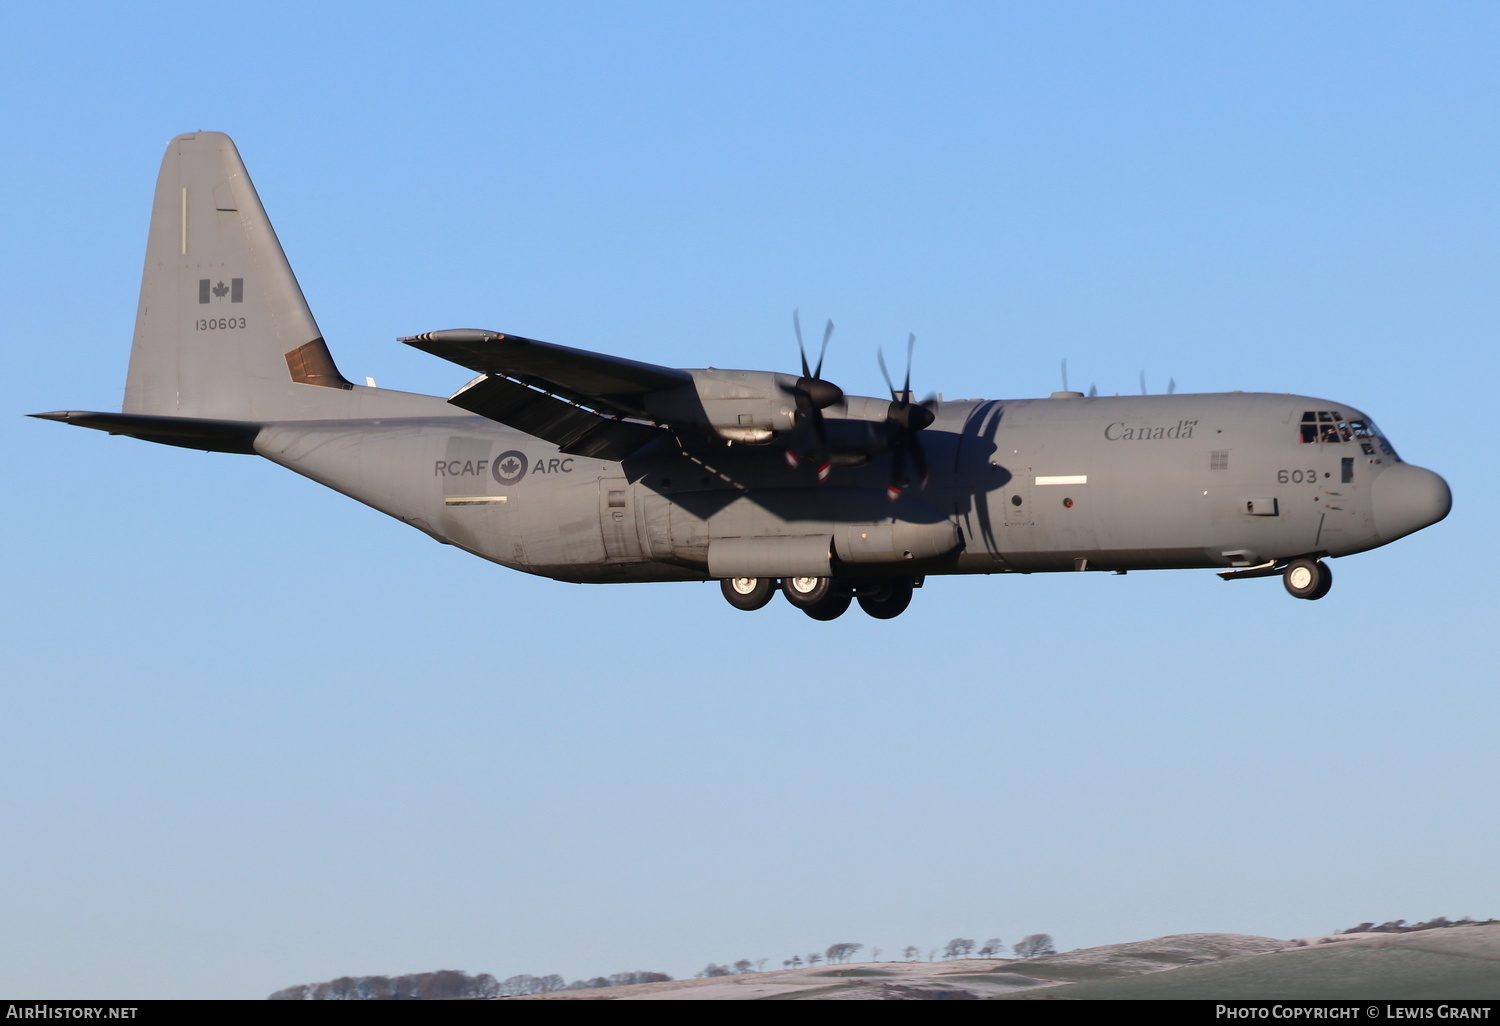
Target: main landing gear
(823,598)
(748,593)
(1307,578)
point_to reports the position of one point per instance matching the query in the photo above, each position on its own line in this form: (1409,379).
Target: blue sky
(256,734)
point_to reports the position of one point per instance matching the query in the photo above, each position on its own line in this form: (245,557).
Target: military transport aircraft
(587,467)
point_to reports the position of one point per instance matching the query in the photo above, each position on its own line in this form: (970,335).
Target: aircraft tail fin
(222,331)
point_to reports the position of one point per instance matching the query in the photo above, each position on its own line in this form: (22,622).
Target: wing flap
(571,428)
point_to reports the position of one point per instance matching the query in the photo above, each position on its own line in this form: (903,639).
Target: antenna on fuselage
(1171,385)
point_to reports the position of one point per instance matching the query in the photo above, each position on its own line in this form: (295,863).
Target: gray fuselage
(1119,483)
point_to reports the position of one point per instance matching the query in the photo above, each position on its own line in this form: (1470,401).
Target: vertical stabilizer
(222,331)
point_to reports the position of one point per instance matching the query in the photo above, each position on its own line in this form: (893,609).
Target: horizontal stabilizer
(571,428)
(188,432)
(595,378)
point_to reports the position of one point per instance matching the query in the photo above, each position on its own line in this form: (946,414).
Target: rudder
(222,331)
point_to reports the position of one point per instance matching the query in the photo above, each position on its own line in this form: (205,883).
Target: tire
(748,593)
(890,601)
(804,592)
(831,607)
(1307,578)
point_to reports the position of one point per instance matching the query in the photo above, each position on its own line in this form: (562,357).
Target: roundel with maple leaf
(509,467)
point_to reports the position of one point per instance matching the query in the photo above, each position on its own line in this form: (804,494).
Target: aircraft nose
(1406,499)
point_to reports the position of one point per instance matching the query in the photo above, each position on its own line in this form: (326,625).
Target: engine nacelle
(748,407)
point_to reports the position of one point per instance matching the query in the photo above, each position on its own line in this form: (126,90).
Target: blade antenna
(1171,385)
(1065,373)
(1143,383)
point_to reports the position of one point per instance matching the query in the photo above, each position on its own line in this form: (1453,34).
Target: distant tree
(841,952)
(795,962)
(932,954)
(814,958)
(760,965)
(911,953)
(519,985)
(992,948)
(714,970)
(874,954)
(958,947)
(443,985)
(449,984)
(743,966)
(624,979)
(1035,945)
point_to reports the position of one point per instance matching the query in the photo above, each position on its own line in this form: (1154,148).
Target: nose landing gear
(1307,578)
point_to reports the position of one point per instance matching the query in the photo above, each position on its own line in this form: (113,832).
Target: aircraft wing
(593,379)
(574,398)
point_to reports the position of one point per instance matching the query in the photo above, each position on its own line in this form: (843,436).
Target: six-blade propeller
(904,420)
(813,395)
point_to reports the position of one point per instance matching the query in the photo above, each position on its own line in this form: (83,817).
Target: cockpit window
(1329,426)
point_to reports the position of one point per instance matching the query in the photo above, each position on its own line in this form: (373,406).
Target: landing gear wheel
(830,608)
(1307,578)
(804,592)
(748,593)
(890,601)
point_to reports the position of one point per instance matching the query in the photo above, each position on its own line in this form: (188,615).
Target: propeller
(904,419)
(813,395)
